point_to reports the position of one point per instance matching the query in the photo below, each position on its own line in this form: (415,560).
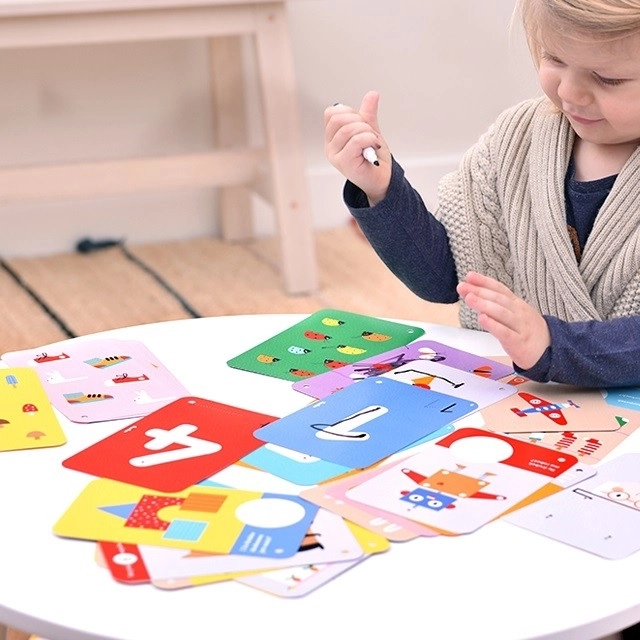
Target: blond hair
(602,20)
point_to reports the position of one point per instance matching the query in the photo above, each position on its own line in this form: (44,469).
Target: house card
(463,481)
(208,519)
(27,420)
(420,350)
(325,340)
(174,447)
(102,379)
(366,422)
(600,515)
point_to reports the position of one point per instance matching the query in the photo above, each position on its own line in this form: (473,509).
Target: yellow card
(27,419)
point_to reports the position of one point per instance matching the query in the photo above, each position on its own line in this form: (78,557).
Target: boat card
(366,422)
(213,520)
(421,350)
(174,447)
(27,420)
(463,481)
(600,515)
(325,340)
(102,379)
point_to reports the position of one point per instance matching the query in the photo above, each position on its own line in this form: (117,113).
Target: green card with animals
(325,340)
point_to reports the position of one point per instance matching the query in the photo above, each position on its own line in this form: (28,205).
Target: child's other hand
(347,132)
(520,329)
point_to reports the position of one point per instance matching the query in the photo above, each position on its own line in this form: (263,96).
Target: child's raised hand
(347,133)
(520,329)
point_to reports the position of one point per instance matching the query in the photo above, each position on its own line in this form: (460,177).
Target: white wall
(444,68)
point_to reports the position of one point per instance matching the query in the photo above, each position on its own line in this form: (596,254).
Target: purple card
(324,384)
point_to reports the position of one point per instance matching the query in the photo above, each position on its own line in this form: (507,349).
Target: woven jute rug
(54,297)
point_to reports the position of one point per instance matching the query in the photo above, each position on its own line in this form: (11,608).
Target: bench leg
(286,160)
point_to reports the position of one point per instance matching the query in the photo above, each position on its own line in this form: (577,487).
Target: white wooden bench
(276,172)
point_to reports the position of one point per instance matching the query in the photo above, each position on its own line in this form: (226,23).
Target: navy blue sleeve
(598,354)
(407,238)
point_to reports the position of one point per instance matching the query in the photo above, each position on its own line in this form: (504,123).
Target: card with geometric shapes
(208,519)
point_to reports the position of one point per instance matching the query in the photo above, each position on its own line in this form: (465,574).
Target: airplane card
(102,379)
(463,481)
(174,447)
(600,515)
(421,350)
(199,518)
(544,407)
(366,422)
(325,340)
(27,420)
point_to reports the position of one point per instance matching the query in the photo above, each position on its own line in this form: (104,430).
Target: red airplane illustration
(552,410)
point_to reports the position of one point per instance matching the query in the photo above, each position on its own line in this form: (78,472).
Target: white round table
(498,583)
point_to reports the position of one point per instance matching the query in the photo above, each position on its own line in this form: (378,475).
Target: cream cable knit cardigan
(504,211)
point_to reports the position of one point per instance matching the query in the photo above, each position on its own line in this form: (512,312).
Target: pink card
(104,379)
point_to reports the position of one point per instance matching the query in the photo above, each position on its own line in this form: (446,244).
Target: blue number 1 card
(365,422)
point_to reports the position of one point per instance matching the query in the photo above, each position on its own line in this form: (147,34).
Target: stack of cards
(402,438)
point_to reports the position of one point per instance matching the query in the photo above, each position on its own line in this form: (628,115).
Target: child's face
(596,85)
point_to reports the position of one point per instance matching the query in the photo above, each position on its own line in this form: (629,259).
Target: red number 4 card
(174,447)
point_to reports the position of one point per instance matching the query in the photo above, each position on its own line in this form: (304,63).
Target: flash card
(174,447)
(332,496)
(329,539)
(463,481)
(299,468)
(424,351)
(326,340)
(27,420)
(366,422)
(440,377)
(600,515)
(544,407)
(295,582)
(102,379)
(208,519)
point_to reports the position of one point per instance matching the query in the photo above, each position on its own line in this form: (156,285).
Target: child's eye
(550,58)
(609,82)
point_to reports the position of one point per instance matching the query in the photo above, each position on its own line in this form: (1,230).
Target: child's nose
(573,91)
